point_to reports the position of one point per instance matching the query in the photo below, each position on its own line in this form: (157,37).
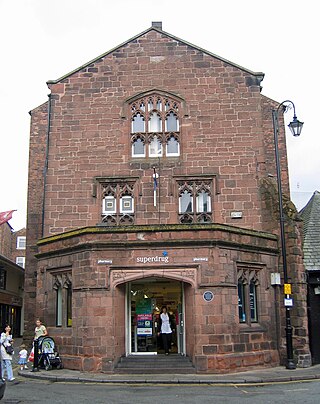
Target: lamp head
(295,126)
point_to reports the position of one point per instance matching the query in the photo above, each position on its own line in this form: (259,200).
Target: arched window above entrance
(157,126)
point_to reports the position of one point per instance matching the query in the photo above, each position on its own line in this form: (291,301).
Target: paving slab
(259,376)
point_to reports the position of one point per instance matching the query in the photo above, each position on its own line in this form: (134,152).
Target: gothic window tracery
(118,203)
(195,201)
(62,285)
(248,282)
(155,123)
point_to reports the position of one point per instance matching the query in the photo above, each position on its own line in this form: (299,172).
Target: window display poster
(144,324)
(143,306)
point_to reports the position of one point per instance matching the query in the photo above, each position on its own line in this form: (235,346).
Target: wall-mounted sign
(208,296)
(156,259)
(288,302)
(287,289)
(236,215)
(197,259)
(104,262)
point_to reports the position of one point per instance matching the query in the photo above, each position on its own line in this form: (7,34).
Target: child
(23,355)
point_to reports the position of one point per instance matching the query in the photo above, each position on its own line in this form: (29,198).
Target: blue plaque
(208,296)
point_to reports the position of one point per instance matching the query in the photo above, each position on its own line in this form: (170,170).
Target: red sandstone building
(149,185)
(12,264)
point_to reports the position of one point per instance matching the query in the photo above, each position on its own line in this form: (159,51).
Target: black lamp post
(295,127)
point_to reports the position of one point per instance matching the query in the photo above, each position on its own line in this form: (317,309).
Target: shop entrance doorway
(145,298)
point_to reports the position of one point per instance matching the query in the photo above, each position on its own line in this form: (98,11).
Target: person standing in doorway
(6,341)
(166,330)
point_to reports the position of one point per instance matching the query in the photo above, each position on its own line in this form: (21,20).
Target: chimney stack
(157,24)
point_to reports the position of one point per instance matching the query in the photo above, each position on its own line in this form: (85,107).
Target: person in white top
(166,330)
(6,340)
(23,356)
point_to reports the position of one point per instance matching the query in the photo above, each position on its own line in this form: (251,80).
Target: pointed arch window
(155,147)
(138,123)
(195,201)
(172,122)
(150,115)
(118,203)
(138,147)
(248,282)
(62,286)
(172,146)
(185,202)
(155,124)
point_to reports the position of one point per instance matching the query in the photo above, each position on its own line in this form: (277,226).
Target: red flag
(6,216)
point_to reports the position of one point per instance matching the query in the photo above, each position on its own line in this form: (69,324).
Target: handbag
(9,349)
(31,356)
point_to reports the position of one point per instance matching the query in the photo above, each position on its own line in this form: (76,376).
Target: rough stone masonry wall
(295,270)
(37,155)
(90,133)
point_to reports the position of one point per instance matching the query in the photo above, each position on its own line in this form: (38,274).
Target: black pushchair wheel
(47,364)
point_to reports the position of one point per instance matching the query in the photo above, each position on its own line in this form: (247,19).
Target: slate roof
(156,28)
(311,233)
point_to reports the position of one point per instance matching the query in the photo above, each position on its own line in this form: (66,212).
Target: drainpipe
(45,169)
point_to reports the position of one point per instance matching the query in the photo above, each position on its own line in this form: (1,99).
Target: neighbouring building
(151,183)
(311,248)
(12,264)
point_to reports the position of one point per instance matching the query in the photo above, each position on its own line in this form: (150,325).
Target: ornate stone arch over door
(123,275)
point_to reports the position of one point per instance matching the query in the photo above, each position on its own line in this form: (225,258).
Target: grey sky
(44,39)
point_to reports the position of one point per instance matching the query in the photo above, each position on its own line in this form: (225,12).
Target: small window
(59,306)
(3,278)
(109,204)
(138,124)
(172,123)
(21,243)
(138,148)
(155,148)
(247,296)
(118,203)
(69,306)
(126,204)
(241,303)
(185,202)
(253,302)
(21,261)
(142,107)
(203,202)
(173,147)
(155,124)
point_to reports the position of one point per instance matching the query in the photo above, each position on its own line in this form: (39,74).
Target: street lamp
(295,128)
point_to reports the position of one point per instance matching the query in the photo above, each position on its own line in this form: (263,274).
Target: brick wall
(5,240)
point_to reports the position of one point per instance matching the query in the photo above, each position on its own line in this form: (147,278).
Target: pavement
(273,375)
(258,376)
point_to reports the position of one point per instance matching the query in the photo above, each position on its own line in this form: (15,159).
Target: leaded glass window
(155,114)
(248,282)
(195,201)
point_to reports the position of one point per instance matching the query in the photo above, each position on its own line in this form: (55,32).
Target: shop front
(145,300)
(218,297)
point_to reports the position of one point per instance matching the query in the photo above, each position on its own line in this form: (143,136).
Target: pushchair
(48,354)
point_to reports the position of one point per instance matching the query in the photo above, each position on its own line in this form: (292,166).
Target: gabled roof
(156,27)
(311,233)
